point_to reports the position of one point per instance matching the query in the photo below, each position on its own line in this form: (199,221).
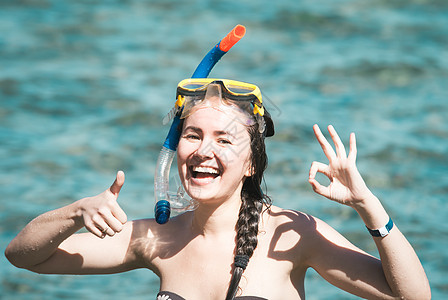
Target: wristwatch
(383,231)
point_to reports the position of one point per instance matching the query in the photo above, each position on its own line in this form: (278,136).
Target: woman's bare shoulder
(306,225)
(151,240)
(150,229)
(287,234)
(292,219)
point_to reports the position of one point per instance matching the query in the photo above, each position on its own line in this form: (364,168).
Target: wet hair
(250,211)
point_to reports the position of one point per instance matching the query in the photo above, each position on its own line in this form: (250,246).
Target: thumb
(118,183)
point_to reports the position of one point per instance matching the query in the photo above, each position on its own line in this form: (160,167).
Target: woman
(235,242)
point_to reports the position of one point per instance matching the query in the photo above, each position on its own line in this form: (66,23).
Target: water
(84,87)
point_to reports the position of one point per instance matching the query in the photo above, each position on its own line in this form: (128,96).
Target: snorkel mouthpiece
(164,202)
(162,211)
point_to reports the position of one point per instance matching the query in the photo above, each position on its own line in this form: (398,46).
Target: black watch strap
(383,231)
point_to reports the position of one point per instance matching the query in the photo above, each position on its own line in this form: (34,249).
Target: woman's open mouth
(204,174)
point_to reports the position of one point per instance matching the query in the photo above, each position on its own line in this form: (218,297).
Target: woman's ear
(250,171)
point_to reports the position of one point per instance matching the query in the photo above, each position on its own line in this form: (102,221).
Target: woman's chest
(210,267)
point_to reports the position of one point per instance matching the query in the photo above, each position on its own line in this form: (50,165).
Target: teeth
(205,170)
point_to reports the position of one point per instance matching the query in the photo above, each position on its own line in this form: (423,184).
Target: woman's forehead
(216,118)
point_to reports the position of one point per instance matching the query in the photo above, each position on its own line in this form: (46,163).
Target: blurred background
(84,86)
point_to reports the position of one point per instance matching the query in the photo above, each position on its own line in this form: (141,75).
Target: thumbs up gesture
(101,214)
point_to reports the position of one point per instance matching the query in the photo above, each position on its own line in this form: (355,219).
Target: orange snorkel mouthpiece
(232,38)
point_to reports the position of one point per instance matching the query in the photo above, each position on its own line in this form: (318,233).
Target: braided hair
(249,215)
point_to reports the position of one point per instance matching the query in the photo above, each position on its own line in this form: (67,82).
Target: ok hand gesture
(346,184)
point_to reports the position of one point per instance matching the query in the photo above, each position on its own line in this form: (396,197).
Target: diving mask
(246,98)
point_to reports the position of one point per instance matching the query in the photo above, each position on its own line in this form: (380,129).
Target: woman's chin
(209,189)
(204,191)
(202,195)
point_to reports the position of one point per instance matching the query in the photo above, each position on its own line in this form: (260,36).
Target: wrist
(372,212)
(366,204)
(382,231)
(76,212)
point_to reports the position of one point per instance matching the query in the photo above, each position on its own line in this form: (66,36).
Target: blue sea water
(84,86)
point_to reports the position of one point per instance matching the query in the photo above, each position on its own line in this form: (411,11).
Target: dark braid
(252,204)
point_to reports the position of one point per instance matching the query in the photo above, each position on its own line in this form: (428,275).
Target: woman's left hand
(346,184)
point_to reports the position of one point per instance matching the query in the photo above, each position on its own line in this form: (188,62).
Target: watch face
(383,231)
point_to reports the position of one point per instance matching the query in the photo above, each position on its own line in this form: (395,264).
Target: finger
(340,149)
(107,231)
(328,150)
(319,167)
(112,222)
(119,214)
(353,149)
(101,224)
(118,183)
(94,230)
(319,189)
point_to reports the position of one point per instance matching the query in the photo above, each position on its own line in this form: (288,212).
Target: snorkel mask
(230,96)
(193,94)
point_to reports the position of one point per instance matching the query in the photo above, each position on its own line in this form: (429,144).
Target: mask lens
(239,89)
(190,103)
(192,86)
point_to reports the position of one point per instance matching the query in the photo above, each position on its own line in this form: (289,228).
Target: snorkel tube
(166,201)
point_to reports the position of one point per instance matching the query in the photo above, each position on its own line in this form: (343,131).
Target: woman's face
(213,155)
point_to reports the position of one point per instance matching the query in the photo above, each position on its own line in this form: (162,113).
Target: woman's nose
(205,149)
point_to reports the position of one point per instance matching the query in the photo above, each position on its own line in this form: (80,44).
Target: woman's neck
(216,218)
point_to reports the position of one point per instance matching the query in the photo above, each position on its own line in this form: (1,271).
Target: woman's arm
(400,273)
(48,243)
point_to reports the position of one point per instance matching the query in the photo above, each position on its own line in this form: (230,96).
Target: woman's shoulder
(297,236)
(288,234)
(295,225)
(312,232)
(151,241)
(288,218)
(150,231)
(298,221)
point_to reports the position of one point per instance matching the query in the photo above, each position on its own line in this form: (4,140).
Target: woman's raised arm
(400,266)
(48,244)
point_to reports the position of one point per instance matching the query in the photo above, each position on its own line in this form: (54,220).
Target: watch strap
(383,231)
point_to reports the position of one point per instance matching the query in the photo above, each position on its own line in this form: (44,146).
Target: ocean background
(84,86)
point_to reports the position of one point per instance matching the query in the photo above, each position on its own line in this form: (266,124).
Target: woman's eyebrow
(216,132)
(224,132)
(192,128)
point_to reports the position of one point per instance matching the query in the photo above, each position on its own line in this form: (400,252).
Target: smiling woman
(216,164)
(211,157)
(235,244)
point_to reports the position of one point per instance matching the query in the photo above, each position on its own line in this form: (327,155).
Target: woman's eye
(191,137)
(224,141)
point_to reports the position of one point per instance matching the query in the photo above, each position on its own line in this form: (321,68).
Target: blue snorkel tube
(165,201)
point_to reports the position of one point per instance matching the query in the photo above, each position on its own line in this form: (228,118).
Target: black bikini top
(172,296)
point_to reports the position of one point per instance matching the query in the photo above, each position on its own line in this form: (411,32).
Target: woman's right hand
(101,214)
